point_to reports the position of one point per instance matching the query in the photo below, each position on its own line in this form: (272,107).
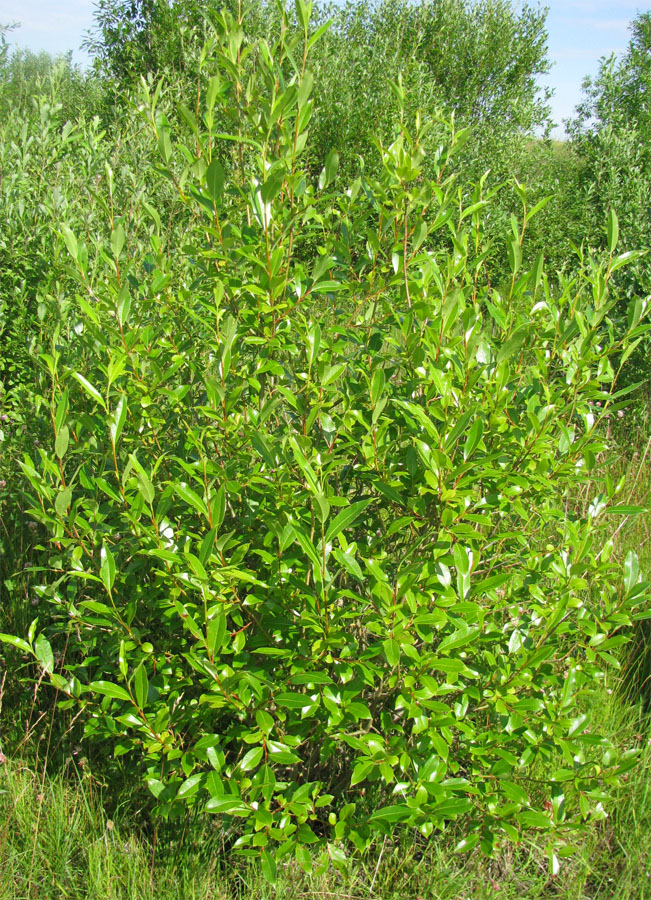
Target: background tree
(478,59)
(134,37)
(611,134)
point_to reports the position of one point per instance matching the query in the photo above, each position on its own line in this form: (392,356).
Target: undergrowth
(56,841)
(65,833)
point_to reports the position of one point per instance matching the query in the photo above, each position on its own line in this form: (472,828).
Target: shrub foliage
(304,482)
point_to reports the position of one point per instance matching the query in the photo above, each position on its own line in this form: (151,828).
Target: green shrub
(312,566)
(610,134)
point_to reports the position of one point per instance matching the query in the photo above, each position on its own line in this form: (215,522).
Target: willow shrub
(313,564)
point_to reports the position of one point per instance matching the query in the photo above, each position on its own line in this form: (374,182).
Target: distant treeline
(479,61)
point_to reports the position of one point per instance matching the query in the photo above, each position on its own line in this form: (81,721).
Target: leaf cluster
(304,476)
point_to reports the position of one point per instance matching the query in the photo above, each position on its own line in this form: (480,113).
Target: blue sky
(580,32)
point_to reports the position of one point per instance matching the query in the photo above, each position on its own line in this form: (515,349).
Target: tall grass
(634,465)
(56,841)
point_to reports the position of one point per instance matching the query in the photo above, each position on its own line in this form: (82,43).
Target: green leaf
(460,638)
(43,653)
(515,641)
(440,745)
(313,344)
(189,118)
(90,389)
(512,346)
(122,659)
(453,666)
(207,545)
(311,678)
(578,725)
(305,89)
(196,565)
(305,467)
(17,642)
(218,507)
(101,608)
(108,689)
(117,420)
(466,844)
(268,866)
(191,498)
(307,545)
(391,814)
(328,287)
(331,373)
(227,805)
(215,632)
(345,519)
(338,857)
(63,501)
(625,259)
(141,686)
(625,510)
(302,15)
(273,185)
(117,241)
(70,242)
(361,770)
(348,561)
(515,255)
(455,806)
(124,305)
(378,382)
(280,753)
(305,834)
(391,651)
(569,686)
(165,144)
(215,179)
(62,441)
(145,486)
(251,759)
(107,568)
(473,439)
(531,818)
(190,786)
(321,30)
(540,205)
(612,230)
(330,168)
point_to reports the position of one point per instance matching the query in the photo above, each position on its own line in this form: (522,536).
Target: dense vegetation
(317,370)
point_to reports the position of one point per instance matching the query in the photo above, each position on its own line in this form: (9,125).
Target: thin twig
(377,868)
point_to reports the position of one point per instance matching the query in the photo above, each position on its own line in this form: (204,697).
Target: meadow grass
(56,841)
